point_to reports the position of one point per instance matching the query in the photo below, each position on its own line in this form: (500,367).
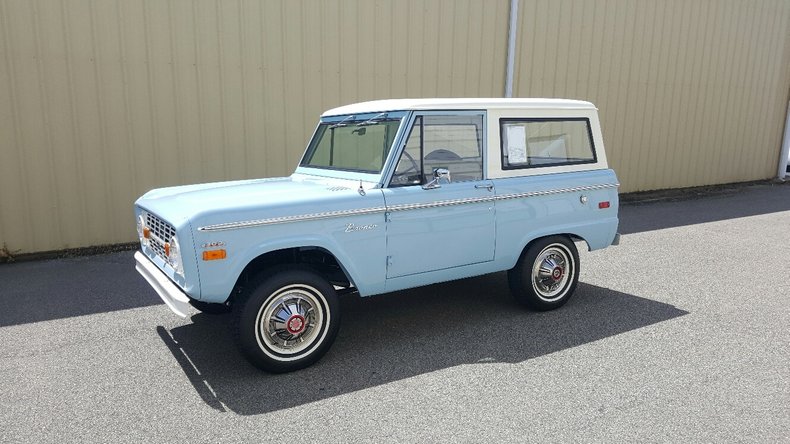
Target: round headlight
(175,256)
(141,229)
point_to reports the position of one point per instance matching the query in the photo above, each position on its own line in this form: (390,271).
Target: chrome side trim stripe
(441,203)
(402,207)
(557,191)
(285,219)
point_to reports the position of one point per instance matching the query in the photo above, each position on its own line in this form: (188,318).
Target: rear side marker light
(602,205)
(213,255)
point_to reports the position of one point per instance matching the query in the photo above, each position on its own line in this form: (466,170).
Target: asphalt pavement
(680,334)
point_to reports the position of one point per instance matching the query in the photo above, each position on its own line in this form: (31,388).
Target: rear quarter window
(535,143)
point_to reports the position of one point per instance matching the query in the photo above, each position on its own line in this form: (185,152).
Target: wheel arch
(315,257)
(529,242)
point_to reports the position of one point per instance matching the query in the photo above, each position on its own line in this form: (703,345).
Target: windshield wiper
(342,122)
(373,120)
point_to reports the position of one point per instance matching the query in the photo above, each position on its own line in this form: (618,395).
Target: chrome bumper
(176,300)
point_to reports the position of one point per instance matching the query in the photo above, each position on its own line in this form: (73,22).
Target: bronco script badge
(351,228)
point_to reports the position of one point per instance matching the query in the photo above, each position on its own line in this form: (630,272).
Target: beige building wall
(103,100)
(690,92)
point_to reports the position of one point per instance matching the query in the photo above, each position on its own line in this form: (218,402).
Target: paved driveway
(680,333)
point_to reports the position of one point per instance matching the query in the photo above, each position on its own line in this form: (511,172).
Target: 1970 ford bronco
(389,195)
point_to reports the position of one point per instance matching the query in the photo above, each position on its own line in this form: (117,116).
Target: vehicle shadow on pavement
(41,291)
(399,335)
(729,202)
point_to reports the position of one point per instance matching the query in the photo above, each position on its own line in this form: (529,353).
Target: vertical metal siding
(103,100)
(690,92)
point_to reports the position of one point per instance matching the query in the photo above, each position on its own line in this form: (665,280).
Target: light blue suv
(389,195)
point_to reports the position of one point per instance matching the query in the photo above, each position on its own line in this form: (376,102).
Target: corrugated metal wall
(690,92)
(103,100)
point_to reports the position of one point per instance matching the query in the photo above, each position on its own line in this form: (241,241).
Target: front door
(440,207)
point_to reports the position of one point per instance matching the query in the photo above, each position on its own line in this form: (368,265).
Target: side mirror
(440,175)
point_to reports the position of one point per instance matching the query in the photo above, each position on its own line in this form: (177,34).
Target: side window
(530,143)
(435,141)
(409,168)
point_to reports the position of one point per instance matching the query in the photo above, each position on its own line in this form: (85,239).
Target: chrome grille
(161,232)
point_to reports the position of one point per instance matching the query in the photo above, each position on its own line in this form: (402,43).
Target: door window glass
(436,141)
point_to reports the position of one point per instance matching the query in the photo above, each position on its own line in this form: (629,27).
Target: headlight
(174,256)
(141,229)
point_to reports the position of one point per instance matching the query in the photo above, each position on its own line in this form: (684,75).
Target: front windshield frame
(353,120)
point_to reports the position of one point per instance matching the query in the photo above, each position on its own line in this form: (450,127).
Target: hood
(222,202)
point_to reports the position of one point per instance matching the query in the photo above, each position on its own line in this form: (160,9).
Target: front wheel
(288,320)
(546,274)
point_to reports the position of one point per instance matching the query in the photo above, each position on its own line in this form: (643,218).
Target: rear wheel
(287,320)
(546,274)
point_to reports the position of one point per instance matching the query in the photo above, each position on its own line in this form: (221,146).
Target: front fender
(361,254)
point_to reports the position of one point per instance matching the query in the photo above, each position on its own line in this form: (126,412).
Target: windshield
(352,144)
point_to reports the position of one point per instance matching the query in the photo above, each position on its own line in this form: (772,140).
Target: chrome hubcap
(552,271)
(295,324)
(290,321)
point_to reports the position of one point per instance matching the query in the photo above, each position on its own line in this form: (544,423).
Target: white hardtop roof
(456,104)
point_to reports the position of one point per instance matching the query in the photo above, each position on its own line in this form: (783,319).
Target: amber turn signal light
(213,255)
(147,233)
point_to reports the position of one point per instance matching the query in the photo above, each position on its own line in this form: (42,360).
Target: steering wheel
(412,167)
(442,154)
(403,177)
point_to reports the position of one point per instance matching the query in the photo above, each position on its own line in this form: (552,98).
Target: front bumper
(176,300)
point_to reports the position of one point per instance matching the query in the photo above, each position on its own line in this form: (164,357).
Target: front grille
(161,232)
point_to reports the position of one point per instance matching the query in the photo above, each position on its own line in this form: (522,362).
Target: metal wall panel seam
(243,77)
(221,88)
(710,101)
(729,167)
(602,88)
(200,108)
(767,81)
(18,134)
(682,157)
(696,80)
(102,126)
(153,117)
(736,166)
(10,142)
(175,89)
(777,79)
(650,143)
(55,224)
(624,92)
(636,141)
(763,79)
(77,141)
(726,93)
(129,126)
(680,37)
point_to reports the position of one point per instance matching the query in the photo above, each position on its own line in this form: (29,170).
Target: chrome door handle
(489,187)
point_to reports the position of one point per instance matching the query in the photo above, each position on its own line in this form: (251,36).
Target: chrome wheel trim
(277,328)
(553,272)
